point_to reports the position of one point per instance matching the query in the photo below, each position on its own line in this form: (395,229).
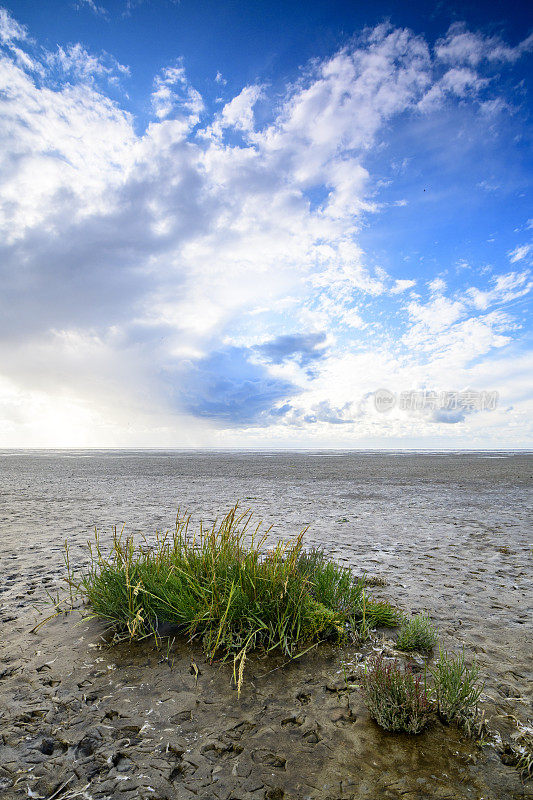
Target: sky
(238,225)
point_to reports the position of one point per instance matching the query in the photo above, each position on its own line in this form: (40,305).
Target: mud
(129,721)
(79,718)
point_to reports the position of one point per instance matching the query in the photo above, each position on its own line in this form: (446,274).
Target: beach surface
(450,534)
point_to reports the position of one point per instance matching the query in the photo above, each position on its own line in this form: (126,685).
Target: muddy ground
(81,719)
(131,722)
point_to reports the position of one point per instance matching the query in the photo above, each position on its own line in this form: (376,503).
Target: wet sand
(451,534)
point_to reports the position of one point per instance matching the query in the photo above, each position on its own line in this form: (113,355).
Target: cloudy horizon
(192,261)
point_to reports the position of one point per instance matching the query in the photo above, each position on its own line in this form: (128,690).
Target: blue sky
(230,224)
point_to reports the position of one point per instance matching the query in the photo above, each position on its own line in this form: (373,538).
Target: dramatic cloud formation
(203,280)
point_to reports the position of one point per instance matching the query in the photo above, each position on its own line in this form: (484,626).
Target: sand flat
(450,533)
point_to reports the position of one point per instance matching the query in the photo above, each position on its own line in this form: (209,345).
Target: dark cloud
(226,386)
(450,416)
(303,347)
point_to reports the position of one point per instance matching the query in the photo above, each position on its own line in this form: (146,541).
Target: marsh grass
(457,689)
(417,633)
(396,699)
(524,749)
(400,701)
(223,587)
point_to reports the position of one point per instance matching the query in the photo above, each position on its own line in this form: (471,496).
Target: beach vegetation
(457,689)
(335,584)
(417,633)
(381,613)
(524,749)
(225,588)
(375,580)
(396,698)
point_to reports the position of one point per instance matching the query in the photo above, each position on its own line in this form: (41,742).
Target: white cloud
(463,46)
(459,82)
(10,29)
(402,285)
(436,286)
(463,54)
(126,258)
(431,318)
(519,253)
(94,7)
(26,62)
(345,100)
(238,113)
(75,60)
(505,289)
(173,95)
(61,150)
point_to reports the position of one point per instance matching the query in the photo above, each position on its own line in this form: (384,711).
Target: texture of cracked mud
(79,718)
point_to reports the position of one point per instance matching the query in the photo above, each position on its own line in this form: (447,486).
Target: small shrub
(396,699)
(457,688)
(336,587)
(417,633)
(310,560)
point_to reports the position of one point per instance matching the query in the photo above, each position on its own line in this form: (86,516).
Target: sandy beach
(449,533)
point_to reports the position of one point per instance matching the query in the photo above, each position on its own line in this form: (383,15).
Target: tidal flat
(448,534)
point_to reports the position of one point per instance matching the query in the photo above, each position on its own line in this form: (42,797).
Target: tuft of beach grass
(223,587)
(417,633)
(457,689)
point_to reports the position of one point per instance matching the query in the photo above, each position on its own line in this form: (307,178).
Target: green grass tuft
(381,614)
(417,633)
(221,587)
(457,689)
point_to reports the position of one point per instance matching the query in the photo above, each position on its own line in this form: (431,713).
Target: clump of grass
(524,747)
(220,586)
(334,584)
(457,689)
(381,613)
(396,699)
(417,633)
(330,584)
